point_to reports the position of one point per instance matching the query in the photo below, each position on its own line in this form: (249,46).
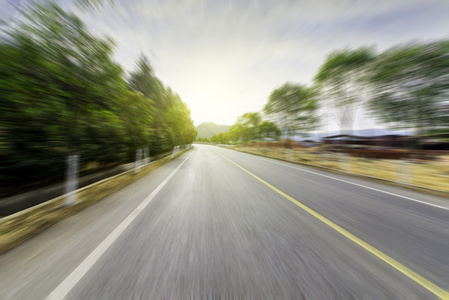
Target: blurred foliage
(340,82)
(61,93)
(249,127)
(410,86)
(92,5)
(269,131)
(406,86)
(294,107)
(219,138)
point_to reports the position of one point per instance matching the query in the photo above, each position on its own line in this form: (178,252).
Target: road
(216,223)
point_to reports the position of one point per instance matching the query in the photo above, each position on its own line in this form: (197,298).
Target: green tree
(341,82)
(245,128)
(269,130)
(221,138)
(294,107)
(410,85)
(62,93)
(237,132)
(54,76)
(178,119)
(249,122)
(143,81)
(136,115)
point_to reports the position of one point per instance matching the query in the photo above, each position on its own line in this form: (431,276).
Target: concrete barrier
(22,225)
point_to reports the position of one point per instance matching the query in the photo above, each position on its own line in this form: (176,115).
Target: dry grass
(428,174)
(19,227)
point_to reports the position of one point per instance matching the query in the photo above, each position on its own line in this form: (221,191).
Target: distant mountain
(208,129)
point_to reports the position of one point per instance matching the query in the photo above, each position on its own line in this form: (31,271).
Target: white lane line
(353,183)
(61,291)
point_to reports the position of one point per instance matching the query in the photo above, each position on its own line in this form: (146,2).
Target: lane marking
(61,291)
(395,264)
(357,184)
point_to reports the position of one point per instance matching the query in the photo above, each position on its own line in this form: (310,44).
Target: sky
(225,57)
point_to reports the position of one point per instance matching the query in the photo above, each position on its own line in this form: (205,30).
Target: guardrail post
(175,151)
(138,161)
(145,156)
(71,183)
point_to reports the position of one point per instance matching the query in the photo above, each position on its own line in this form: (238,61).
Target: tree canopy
(61,93)
(294,107)
(248,127)
(340,81)
(411,85)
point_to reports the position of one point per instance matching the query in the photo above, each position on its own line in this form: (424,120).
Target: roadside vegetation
(404,87)
(61,94)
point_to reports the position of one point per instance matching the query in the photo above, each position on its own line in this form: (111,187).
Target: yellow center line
(441,293)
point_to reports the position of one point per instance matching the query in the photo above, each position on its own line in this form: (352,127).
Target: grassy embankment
(427,174)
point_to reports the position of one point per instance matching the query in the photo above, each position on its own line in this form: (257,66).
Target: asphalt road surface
(220,224)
